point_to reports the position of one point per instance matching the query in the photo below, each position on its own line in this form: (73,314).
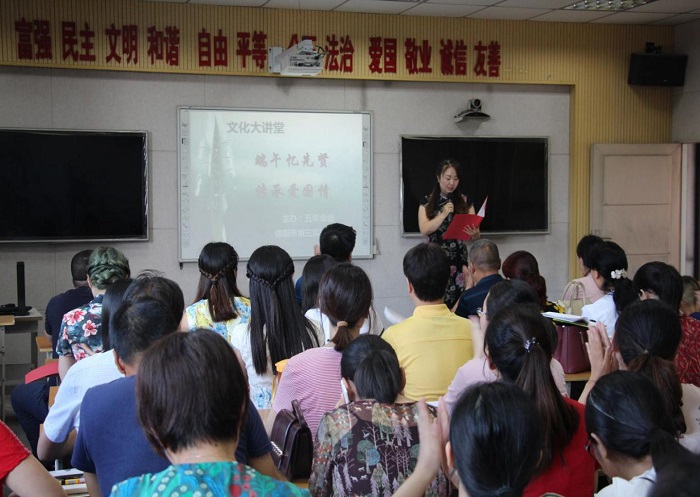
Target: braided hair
(218,267)
(277,326)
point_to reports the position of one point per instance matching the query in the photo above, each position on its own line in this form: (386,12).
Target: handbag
(292,443)
(577,298)
(571,349)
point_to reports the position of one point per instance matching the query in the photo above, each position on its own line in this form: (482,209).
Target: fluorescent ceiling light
(608,5)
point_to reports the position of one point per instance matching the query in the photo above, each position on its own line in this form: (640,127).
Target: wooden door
(636,200)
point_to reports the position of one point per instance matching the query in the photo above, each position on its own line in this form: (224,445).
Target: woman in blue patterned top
(192,396)
(219,304)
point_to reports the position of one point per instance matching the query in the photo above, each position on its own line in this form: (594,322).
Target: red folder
(457,228)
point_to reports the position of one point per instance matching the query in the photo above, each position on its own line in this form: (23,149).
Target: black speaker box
(653,69)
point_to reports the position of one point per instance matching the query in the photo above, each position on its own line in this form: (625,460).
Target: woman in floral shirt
(80,329)
(369,447)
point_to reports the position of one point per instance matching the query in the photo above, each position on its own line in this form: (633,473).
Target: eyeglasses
(589,446)
(480,312)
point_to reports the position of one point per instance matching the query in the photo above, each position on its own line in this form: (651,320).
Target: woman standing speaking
(434,217)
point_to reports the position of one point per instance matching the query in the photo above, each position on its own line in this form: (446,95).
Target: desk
(578,379)
(18,355)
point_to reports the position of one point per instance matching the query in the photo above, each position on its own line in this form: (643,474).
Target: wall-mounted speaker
(655,69)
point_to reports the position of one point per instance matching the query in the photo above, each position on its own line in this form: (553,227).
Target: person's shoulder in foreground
(213,478)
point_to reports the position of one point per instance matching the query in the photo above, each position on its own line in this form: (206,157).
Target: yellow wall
(592,58)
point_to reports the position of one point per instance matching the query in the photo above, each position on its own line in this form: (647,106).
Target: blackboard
(512,172)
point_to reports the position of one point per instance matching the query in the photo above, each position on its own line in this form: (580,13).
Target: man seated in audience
(110,456)
(433,343)
(480,275)
(31,401)
(338,241)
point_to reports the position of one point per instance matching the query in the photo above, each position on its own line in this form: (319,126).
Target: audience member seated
(480,276)
(277,329)
(630,432)
(219,304)
(433,343)
(20,470)
(30,402)
(63,420)
(313,377)
(490,452)
(519,345)
(522,265)
(376,427)
(646,340)
(584,251)
(192,398)
(80,328)
(658,280)
(338,241)
(677,475)
(609,271)
(691,291)
(314,270)
(502,295)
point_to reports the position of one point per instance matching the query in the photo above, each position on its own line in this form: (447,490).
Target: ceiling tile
(508,13)
(571,16)
(537,4)
(676,6)
(478,3)
(236,3)
(631,18)
(442,10)
(679,19)
(375,6)
(304,4)
(169,1)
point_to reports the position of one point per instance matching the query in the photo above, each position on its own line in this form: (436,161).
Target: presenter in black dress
(434,217)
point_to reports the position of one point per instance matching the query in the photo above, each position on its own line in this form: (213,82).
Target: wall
(686,100)
(57,98)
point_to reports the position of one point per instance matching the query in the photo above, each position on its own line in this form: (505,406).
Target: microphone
(451,214)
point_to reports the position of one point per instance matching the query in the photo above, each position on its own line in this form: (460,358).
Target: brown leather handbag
(571,348)
(292,443)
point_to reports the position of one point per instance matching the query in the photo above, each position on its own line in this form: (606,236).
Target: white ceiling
(665,12)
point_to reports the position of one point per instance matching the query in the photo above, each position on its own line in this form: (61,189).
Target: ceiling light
(608,5)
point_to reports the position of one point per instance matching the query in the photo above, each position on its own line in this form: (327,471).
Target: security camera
(473,112)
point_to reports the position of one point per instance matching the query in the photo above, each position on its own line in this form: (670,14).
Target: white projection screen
(272,177)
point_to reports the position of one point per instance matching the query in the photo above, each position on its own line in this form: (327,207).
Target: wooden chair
(43,345)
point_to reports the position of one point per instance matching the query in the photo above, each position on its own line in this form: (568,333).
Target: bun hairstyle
(661,279)
(610,262)
(311,276)
(218,267)
(522,265)
(625,410)
(495,451)
(379,377)
(345,296)
(107,265)
(433,205)
(647,336)
(519,342)
(278,329)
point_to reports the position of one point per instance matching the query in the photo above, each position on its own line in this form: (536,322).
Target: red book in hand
(458,227)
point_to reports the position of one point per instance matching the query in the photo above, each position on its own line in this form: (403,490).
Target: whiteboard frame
(368,167)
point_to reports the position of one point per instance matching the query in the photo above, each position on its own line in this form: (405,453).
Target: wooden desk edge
(582,376)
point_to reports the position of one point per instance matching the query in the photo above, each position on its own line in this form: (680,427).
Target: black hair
(357,350)
(507,293)
(135,325)
(432,207)
(278,328)
(647,335)
(113,297)
(78,266)
(661,279)
(338,241)
(677,475)
(585,247)
(190,389)
(151,284)
(379,377)
(483,253)
(496,438)
(522,265)
(519,342)
(311,276)
(624,409)
(218,268)
(610,262)
(428,269)
(345,294)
